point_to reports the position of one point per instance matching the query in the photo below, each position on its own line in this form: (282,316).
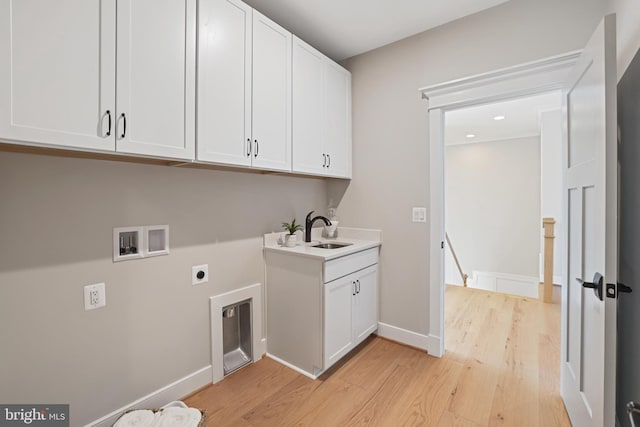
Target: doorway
(503,175)
(527,79)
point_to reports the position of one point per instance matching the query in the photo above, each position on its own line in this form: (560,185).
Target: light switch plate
(419,214)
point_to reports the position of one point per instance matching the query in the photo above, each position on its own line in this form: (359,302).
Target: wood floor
(501,368)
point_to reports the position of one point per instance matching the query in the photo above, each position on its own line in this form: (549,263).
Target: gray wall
(57,216)
(390,130)
(492,205)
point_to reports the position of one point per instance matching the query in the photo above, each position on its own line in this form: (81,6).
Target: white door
(338,306)
(224,82)
(588,364)
(337,119)
(57,72)
(365,310)
(156,78)
(308,109)
(271,117)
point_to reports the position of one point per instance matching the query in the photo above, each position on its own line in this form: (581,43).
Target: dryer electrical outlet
(199,274)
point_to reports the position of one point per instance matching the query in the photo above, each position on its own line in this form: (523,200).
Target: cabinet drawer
(340,267)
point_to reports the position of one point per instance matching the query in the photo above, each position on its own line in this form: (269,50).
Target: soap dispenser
(331,231)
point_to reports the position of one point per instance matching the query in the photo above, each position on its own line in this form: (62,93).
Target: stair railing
(455,258)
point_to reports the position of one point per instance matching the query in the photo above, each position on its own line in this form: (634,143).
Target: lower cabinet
(350,312)
(317,310)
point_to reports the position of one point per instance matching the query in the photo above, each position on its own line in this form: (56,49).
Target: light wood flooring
(501,367)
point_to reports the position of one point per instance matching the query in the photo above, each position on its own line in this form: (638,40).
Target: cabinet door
(224,82)
(338,297)
(308,151)
(365,310)
(271,117)
(57,72)
(337,124)
(156,78)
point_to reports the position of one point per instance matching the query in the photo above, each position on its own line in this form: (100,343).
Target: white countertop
(358,239)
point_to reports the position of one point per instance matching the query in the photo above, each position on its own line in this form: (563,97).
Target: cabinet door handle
(124,125)
(328,160)
(324,160)
(248,147)
(257,148)
(108,113)
(353,292)
(358,282)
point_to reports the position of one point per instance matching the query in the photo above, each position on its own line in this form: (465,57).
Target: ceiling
(345,28)
(520,119)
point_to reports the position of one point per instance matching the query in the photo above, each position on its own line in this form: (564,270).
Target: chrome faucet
(309,223)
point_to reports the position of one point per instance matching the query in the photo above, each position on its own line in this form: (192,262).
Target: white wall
(56,220)
(390,129)
(551,186)
(492,205)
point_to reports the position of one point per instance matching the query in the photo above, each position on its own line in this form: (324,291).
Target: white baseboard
(429,343)
(294,367)
(174,391)
(514,284)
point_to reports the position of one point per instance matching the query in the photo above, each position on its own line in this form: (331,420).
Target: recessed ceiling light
(470,135)
(498,118)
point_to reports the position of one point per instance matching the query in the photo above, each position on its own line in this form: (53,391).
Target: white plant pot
(290,240)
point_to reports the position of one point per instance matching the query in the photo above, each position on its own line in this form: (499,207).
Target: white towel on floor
(137,418)
(179,417)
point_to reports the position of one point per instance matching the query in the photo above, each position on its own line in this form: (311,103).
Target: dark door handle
(596,285)
(614,291)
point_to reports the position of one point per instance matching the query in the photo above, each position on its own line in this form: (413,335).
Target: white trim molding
(410,338)
(531,78)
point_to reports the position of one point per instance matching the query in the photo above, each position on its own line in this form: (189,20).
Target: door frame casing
(522,80)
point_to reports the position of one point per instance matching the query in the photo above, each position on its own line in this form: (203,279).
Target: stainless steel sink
(331,245)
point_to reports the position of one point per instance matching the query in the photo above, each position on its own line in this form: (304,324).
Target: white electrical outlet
(199,274)
(95,296)
(419,214)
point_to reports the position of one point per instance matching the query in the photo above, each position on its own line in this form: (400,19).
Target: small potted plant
(291,238)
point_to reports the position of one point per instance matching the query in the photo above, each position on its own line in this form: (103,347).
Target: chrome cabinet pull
(353,292)
(248,147)
(329,160)
(324,160)
(108,113)
(358,282)
(257,148)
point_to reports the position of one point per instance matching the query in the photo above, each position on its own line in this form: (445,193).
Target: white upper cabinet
(308,109)
(337,119)
(156,78)
(244,87)
(271,94)
(58,75)
(224,82)
(57,72)
(321,114)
